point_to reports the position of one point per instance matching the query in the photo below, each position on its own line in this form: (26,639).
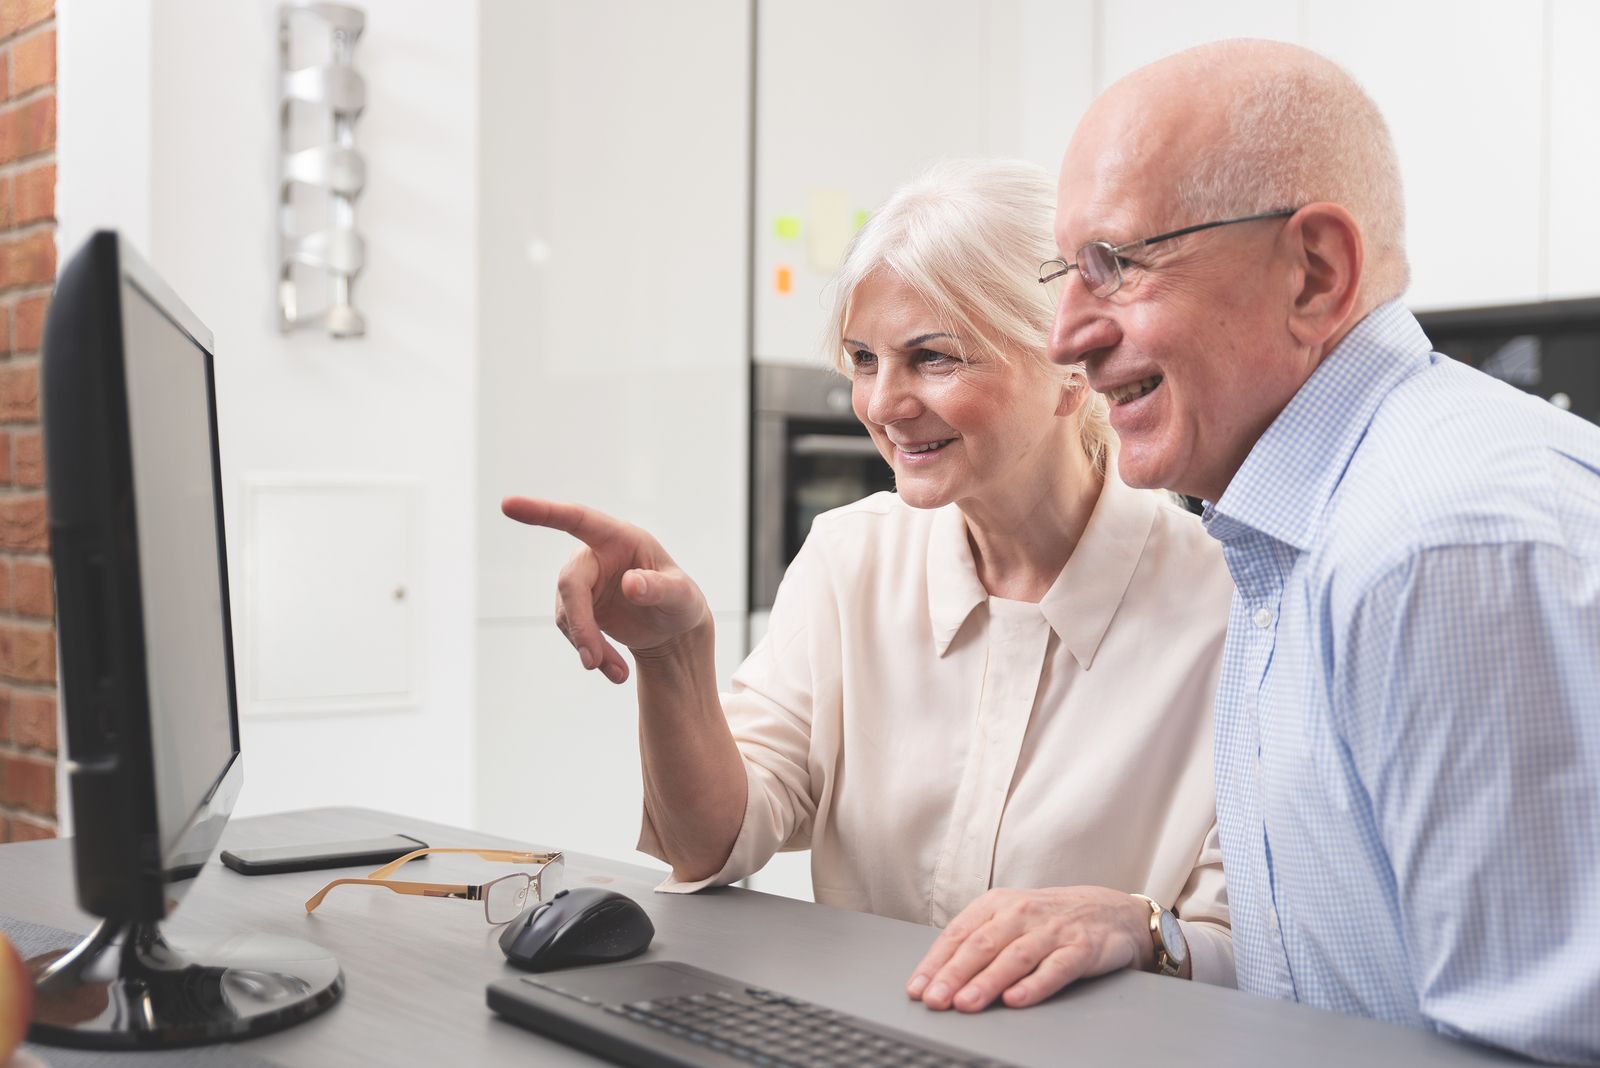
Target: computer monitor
(128,403)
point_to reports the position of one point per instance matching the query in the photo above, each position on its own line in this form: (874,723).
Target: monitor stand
(126,987)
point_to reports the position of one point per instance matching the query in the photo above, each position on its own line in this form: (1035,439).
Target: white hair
(1301,130)
(968,237)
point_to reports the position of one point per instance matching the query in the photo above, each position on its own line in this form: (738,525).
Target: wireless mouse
(585,925)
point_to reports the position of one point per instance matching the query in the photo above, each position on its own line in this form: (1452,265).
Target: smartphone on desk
(274,860)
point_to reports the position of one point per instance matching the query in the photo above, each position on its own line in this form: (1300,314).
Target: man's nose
(894,394)
(1083,325)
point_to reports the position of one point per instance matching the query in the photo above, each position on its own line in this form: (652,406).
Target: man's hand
(1024,945)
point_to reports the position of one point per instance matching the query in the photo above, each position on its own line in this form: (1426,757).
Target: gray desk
(416,968)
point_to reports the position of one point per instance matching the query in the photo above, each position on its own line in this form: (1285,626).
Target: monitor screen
(127,394)
(176,516)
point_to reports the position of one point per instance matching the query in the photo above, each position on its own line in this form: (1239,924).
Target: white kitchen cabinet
(613,295)
(558,746)
(1136,32)
(1573,216)
(854,99)
(1461,86)
(613,311)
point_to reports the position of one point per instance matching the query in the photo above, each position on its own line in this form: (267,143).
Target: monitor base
(126,987)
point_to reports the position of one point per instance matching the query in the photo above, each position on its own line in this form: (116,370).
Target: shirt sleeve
(770,711)
(1202,910)
(1470,702)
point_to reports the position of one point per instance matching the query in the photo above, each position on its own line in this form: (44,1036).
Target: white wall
(1494,108)
(613,317)
(558,288)
(168,127)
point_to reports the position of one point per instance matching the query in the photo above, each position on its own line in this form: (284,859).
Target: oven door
(811,456)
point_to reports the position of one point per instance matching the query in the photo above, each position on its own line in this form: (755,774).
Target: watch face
(1172,937)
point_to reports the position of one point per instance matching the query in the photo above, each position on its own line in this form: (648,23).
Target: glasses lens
(1097,262)
(505,898)
(552,878)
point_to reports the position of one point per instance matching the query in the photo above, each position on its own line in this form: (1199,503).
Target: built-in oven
(1550,349)
(810,454)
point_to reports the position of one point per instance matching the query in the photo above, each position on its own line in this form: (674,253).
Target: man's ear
(1325,243)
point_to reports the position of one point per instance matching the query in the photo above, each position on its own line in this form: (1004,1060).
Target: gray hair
(1301,130)
(968,237)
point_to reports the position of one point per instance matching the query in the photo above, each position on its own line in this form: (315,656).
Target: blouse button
(1262,618)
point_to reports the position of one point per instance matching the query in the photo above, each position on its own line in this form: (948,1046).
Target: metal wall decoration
(322,174)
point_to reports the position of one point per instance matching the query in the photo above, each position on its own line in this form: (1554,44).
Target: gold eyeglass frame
(464,891)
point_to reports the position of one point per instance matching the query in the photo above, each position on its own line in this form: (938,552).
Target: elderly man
(1408,723)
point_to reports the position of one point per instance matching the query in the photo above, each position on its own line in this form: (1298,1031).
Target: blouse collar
(1080,604)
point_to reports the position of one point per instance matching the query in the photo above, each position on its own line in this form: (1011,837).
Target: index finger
(944,947)
(585,524)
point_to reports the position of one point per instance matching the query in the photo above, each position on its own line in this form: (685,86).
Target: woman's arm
(694,777)
(622,585)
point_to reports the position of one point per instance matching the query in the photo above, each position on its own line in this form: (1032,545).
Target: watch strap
(1164,962)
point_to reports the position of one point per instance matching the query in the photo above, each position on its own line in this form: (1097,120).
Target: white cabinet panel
(614,283)
(1137,32)
(1574,215)
(558,747)
(853,100)
(1055,55)
(331,599)
(1460,84)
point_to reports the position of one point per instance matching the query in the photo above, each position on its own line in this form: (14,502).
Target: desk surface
(416,968)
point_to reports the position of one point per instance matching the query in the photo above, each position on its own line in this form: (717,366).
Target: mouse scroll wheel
(536,913)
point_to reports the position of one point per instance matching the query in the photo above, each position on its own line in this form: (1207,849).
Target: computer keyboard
(663,1014)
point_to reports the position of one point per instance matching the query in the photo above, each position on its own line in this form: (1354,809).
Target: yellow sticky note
(786,227)
(861,218)
(783,280)
(828,213)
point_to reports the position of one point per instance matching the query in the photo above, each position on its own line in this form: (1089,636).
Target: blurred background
(598,235)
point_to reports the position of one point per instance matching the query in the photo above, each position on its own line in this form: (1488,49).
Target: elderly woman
(983,701)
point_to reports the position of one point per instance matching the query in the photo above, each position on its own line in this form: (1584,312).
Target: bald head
(1237,127)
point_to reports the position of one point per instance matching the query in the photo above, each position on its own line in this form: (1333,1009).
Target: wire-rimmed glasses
(503,898)
(1099,263)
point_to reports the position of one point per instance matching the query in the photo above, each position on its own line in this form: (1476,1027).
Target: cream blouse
(927,741)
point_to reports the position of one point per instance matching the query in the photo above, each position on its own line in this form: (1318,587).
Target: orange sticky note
(784,280)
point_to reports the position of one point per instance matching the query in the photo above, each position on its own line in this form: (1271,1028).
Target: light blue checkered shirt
(1408,723)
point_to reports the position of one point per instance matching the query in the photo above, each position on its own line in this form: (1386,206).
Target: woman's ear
(1325,243)
(1074,391)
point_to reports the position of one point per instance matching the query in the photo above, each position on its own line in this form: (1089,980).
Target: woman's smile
(920,452)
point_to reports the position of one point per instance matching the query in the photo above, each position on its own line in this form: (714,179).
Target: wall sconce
(321,172)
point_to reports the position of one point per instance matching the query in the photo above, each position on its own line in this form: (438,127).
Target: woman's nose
(893,396)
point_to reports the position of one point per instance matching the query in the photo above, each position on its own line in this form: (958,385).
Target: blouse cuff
(751,849)
(1210,953)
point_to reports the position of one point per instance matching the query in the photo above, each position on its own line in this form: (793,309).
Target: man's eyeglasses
(503,898)
(1099,263)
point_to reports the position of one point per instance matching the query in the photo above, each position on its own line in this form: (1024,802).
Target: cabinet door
(852,100)
(1574,101)
(1461,85)
(613,283)
(1137,32)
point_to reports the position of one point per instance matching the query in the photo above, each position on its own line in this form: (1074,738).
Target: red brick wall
(27,271)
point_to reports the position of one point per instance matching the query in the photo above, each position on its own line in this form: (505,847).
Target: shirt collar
(1287,480)
(1080,604)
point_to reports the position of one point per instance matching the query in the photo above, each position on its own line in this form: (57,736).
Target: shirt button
(1262,618)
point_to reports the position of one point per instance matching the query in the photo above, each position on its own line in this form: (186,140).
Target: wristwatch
(1166,934)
